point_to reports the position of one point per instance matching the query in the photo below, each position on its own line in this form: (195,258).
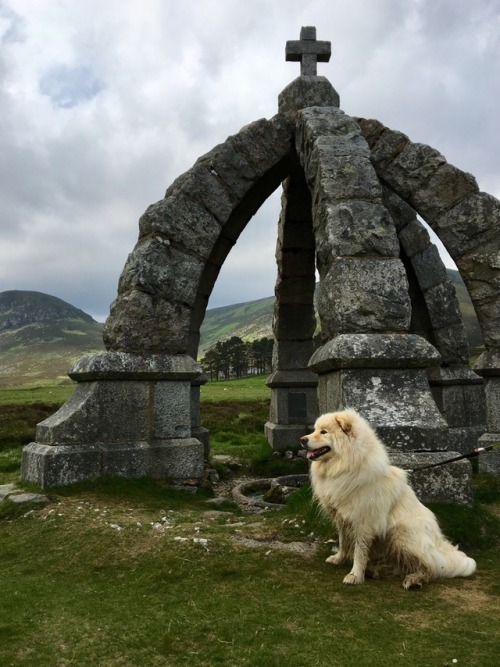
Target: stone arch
(185,237)
(466,220)
(131,412)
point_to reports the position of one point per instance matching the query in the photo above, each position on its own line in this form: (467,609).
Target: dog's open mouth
(313,454)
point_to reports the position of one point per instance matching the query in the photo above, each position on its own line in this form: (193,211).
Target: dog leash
(470,455)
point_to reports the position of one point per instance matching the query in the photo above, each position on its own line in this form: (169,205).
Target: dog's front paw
(352,580)
(335,559)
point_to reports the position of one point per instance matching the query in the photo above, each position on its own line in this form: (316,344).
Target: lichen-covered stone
(354,228)
(141,322)
(364,295)
(307,91)
(362,350)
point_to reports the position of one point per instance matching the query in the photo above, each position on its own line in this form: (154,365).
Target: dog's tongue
(310,455)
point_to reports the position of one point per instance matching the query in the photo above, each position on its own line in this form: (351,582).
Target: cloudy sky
(103,103)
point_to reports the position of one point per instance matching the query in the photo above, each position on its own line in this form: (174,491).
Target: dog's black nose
(304,440)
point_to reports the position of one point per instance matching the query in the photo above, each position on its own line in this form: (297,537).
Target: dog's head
(329,435)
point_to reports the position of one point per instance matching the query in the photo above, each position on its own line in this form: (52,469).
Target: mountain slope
(41,336)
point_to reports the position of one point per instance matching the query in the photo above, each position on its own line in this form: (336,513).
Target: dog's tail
(455,562)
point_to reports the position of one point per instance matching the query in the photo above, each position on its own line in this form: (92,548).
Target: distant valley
(41,336)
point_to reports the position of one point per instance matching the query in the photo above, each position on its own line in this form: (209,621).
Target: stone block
(284,437)
(450,483)
(422,177)
(374,351)
(452,343)
(182,221)
(364,295)
(429,268)
(489,461)
(385,146)
(200,185)
(307,91)
(172,410)
(60,465)
(337,178)
(294,289)
(289,354)
(167,328)
(397,403)
(297,262)
(464,439)
(318,122)
(401,213)
(473,222)
(354,228)
(492,397)
(47,465)
(442,305)
(294,321)
(161,270)
(265,141)
(414,238)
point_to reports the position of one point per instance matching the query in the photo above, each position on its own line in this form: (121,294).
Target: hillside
(41,336)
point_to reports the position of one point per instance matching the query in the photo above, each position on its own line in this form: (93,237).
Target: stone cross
(308,51)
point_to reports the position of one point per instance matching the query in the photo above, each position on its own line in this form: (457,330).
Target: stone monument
(393,341)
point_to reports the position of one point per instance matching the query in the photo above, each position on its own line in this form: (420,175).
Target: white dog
(377,514)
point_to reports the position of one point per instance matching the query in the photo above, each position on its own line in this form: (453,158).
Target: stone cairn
(394,345)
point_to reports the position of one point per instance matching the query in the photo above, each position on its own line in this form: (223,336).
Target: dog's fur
(377,514)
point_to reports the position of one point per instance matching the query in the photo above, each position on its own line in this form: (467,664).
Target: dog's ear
(345,423)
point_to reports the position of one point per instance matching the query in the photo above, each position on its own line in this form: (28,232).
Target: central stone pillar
(294,403)
(148,397)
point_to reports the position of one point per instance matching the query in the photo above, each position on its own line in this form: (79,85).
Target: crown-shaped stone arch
(351,188)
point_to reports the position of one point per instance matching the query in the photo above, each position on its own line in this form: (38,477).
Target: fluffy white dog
(378,516)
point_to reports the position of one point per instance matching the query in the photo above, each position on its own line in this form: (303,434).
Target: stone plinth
(488,365)
(459,395)
(448,483)
(382,376)
(294,408)
(129,416)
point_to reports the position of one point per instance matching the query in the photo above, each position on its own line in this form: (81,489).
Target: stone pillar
(293,386)
(488,365)
(81,442)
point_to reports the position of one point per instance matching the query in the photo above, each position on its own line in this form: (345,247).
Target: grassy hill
(41,336)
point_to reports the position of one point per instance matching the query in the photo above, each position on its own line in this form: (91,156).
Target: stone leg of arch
(294,405)
(488,365)
(128,416)
(371,362)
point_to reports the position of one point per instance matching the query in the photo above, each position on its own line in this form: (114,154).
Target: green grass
(109,574)
(245,389)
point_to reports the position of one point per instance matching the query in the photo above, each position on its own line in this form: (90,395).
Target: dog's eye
(323,431)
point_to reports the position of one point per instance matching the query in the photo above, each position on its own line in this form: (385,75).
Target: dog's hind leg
(416,580)
(361,555)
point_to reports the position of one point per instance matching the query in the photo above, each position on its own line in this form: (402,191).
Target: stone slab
(60,465)
(450,483)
